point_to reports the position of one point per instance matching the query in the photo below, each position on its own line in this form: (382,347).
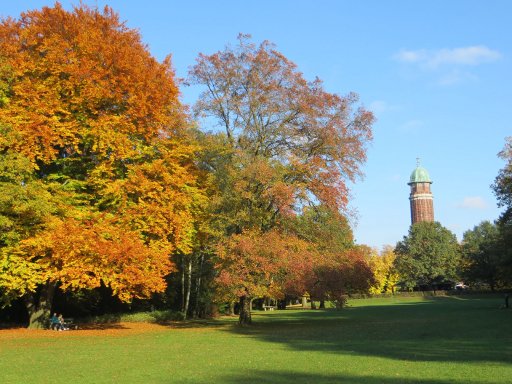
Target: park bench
(69,323)
(269,307)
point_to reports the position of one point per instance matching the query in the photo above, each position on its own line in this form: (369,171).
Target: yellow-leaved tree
(96,161)
(385,275)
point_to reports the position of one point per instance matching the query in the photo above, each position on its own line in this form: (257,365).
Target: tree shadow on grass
(446,329)
(173,324)
(195,324)
(291,377)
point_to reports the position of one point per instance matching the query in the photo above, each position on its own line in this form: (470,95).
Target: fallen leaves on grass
(115,329)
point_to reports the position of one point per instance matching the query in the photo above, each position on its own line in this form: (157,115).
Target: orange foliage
(274,263)
(100,121)
(332,275)
(314,140)
(162,198)
(256,264)
(84,83)
(85,254)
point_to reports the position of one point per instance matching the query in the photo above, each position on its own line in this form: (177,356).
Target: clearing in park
(378,341)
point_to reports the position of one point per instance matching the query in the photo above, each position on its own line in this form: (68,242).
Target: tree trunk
(322,304)
(245,311)
(304,302)
(189,286)
(198,285)
(231,308)
(182,282)
(313,305)
(39,310)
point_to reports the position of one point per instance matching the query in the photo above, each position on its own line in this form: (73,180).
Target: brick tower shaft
(422,203)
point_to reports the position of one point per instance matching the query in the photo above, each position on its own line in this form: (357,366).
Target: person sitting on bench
(55,322)
(62,323)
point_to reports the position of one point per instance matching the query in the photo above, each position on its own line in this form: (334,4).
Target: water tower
(422,201)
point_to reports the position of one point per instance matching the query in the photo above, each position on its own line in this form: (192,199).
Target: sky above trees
(436,74)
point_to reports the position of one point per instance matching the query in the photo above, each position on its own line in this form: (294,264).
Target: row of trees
(109,188)
(106,183)
(430,258)
(430,255)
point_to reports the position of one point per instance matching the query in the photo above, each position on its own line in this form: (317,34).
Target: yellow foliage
(81,97)
(385,276)
(18,275)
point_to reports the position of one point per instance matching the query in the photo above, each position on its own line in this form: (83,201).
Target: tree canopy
(287,144)
(503,189)
(386,276)
(482,255)
(503,183)
(95,138)
(292,141)
(107,184)
(429,255)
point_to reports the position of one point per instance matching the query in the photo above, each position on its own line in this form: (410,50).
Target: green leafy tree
(27,207)
(429,255)
(482,255)
(503,190)
(329,230)
(503,183)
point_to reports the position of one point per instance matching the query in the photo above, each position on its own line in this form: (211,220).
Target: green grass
(377,341)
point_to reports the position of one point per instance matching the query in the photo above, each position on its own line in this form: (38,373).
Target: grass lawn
(377,341)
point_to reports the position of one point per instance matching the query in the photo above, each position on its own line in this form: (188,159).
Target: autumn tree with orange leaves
(289,143)
(257,264)
(337,267)
(93,124)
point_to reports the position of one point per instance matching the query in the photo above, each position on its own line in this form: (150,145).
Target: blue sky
(437,74)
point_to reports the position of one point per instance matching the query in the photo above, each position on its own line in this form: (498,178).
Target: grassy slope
(384,341)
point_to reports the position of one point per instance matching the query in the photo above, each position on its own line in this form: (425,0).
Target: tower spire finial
(417,162)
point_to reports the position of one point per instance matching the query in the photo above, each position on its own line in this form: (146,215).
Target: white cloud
(411,56)
(465,56)
(432,59)
(473,202)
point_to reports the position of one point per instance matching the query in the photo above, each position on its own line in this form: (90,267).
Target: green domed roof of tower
(420,175)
